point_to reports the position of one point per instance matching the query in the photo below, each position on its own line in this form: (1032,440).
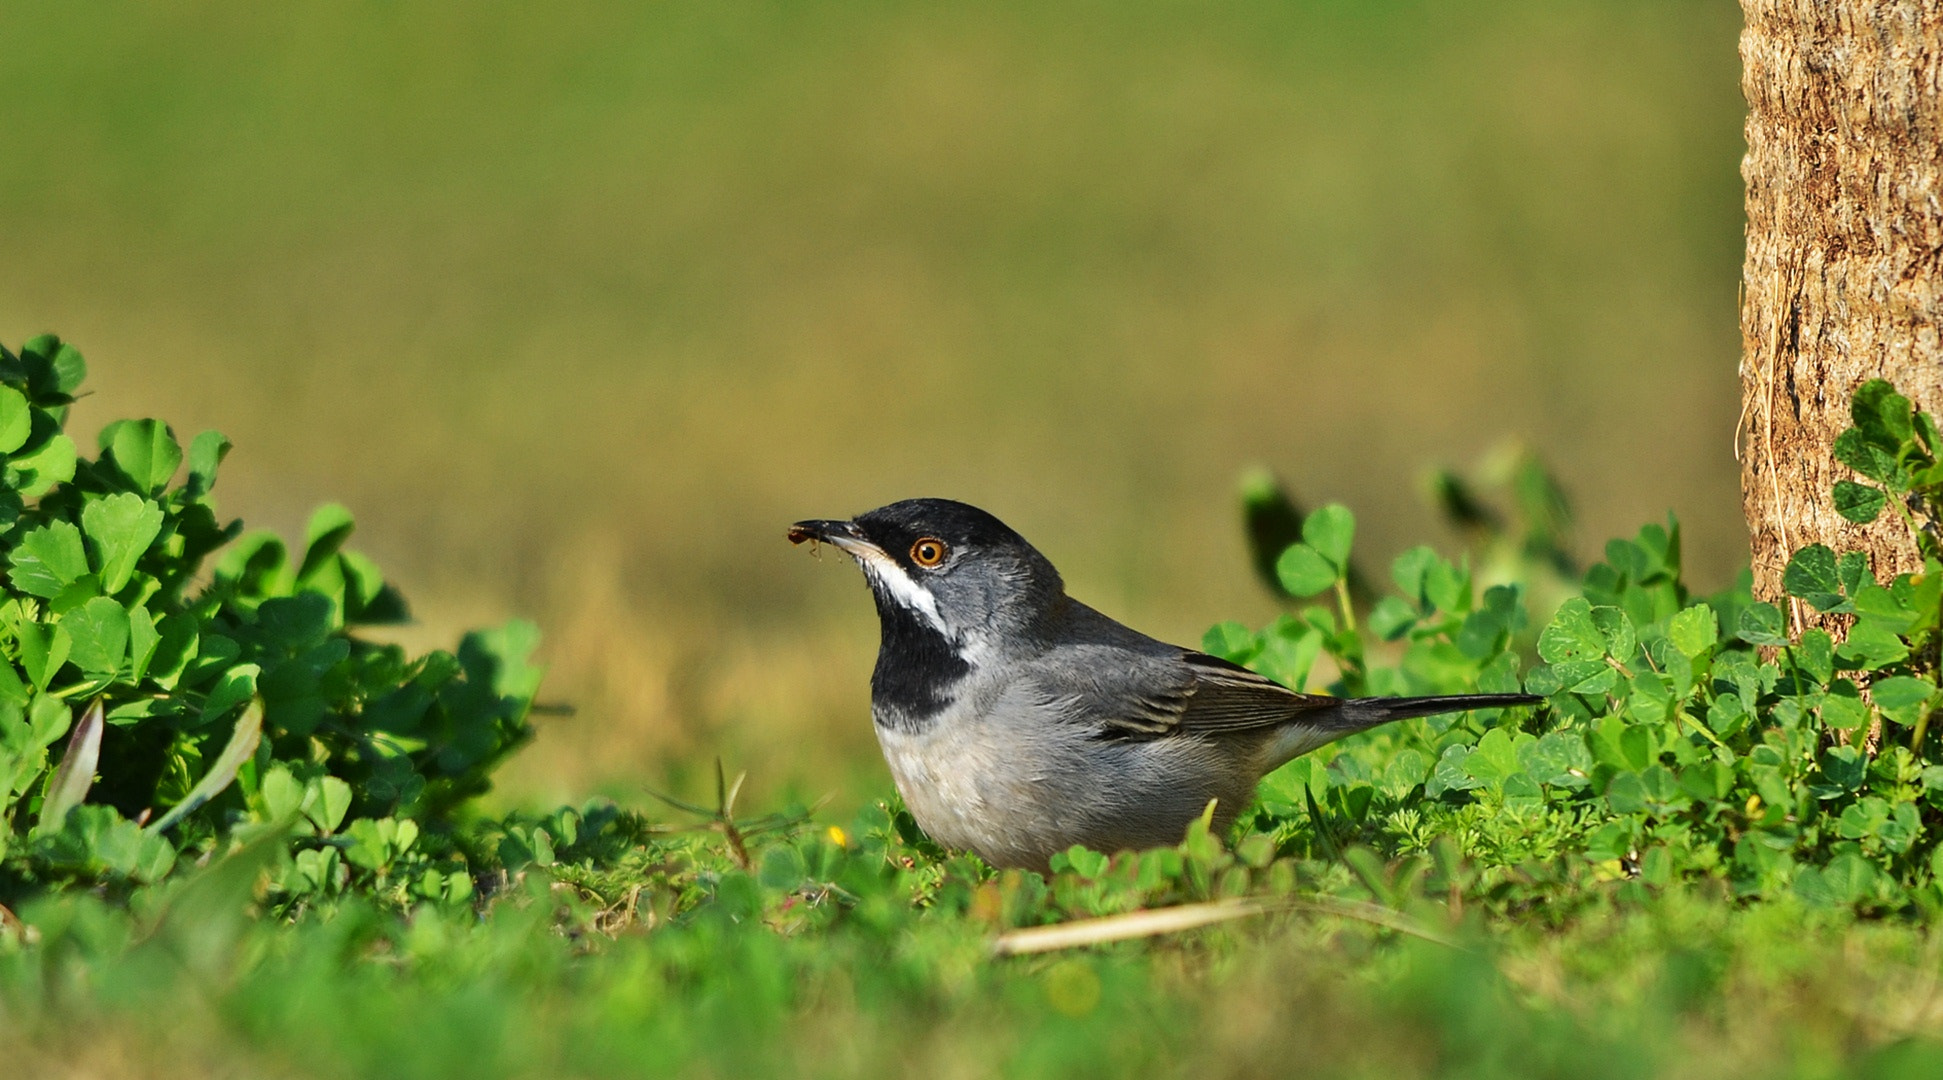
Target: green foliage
(1710,813)
(151,708)
(1271,522)
(1896,447)
(1685,739)
(610,946)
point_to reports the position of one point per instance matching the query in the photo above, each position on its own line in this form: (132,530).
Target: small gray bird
(1018,722)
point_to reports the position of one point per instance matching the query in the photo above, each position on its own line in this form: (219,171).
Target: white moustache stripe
(909,594)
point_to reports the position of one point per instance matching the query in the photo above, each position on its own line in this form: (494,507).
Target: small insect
(798,535)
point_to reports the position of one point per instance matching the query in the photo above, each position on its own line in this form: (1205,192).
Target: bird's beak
(845,535)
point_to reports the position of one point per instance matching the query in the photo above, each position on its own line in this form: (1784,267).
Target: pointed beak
(845,535)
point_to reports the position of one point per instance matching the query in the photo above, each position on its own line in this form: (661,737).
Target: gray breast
(1004,774)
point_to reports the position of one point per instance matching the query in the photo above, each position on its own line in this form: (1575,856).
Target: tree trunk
(1844,274)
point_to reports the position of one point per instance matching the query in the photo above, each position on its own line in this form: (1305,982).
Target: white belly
(1019,794)
(944,774)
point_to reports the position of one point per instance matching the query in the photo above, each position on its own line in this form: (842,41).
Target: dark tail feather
(1359,713)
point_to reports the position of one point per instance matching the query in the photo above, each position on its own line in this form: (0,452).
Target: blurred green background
(578,306)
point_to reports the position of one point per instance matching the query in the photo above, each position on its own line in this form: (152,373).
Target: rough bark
(1843,280)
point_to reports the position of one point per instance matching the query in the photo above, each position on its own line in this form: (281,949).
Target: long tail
(1329,719)
(1326,720)
(1356,714)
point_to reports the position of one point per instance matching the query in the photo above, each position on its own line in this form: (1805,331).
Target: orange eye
(929,552)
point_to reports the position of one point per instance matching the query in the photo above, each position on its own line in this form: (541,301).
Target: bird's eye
(929,552)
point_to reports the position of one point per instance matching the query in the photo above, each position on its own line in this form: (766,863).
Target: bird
(1017,721)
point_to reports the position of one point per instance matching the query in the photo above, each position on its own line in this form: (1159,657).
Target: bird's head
(950,567)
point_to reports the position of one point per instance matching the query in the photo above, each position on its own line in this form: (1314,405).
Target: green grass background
(578,305)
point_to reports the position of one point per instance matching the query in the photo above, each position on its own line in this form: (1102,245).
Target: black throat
(918,669)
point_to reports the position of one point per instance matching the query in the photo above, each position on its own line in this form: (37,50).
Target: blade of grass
(1174,920)
(1134,924)
(1376,915)
(242,743)
(76,772)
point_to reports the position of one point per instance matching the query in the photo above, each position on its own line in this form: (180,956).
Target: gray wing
(1147,696)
